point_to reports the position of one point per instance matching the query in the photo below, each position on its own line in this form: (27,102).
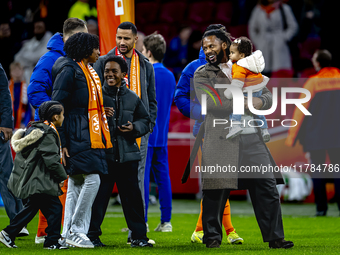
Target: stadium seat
(307,72)
(237,31)
(172,12)
(146,12)
(224,12)
(167,31)
(308,47)
(201,12)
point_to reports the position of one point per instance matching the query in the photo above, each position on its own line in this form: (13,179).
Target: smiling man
(139,78)
(246,150)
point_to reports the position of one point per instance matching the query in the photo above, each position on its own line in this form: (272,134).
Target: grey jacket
(217,150)
(147,79)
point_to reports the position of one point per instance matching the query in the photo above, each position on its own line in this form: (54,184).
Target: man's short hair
(15,65)
(156,44)
(324,57)
(73,24)
(128,25)
(121,61)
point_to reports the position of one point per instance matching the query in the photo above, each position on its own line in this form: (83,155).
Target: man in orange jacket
(319,133)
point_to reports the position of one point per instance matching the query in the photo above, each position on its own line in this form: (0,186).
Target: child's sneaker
(6,240)
(234,131)
(265,135)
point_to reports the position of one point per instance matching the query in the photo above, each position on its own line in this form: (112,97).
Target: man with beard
(33,49)
(140,78)
(248,149)
(187,103)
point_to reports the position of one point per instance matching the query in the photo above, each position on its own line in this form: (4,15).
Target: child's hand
(61,184)
(126,128)
(109,111)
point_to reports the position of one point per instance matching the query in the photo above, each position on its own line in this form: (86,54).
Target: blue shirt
(165,89)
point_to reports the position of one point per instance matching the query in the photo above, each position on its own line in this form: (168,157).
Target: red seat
(306,73)
(308,47)
(167,31)
(237,31)
(146,12)
(201,12)
(224,12)
(172,12)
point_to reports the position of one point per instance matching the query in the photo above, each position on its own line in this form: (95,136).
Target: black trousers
(318,157)
(52,209)
(262,190)
(125,175)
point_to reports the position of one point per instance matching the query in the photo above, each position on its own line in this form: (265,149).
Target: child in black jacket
(128,120)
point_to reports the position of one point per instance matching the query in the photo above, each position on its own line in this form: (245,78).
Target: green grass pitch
(310,235)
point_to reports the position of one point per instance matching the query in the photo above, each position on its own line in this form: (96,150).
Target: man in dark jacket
(40,87)
(12,204)
(144,85)
(246,150)
(128,120)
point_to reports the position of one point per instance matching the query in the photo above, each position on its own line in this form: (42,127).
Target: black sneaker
(97,243)
(57,246)
(6,240)
(140,243)
(213,244)
(320,213)
(281,243)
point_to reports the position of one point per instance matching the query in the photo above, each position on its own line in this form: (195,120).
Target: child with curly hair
(38,175)
(246,72)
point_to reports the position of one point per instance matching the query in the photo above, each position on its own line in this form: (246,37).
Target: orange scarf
(51,125)
(97,117)
(270,8)
(134,83)
(22,103)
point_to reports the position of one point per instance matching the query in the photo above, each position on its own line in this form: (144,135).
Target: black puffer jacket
(128,107)
(70,89)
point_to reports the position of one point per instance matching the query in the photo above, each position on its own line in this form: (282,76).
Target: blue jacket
(165,89)
(40,88)
(185,93)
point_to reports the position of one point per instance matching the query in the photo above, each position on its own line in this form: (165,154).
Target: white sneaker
(39,239)
(23,232)
(79,240)
(6,240)
(165,227)
(265,135)
(234,131)
(151,241)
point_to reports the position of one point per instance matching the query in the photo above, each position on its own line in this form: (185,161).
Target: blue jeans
(237,117)
(157,162)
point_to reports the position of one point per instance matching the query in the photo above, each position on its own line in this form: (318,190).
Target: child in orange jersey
(246,72)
